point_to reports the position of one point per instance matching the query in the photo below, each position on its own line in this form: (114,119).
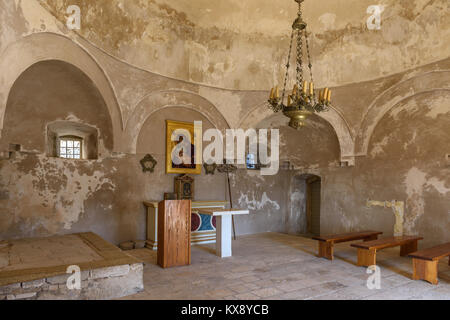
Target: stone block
(21,296)
(62,279)
(109,272)
(33,284)
(53,287)
(10,288)
(114,287)
(137,267)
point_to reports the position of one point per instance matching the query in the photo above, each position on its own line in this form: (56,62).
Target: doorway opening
(304,217)
(313,188)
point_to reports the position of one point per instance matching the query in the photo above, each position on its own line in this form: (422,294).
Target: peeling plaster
(219,47)
(416,182)
(441,107)
(398,208)
(255,204)
(57,185)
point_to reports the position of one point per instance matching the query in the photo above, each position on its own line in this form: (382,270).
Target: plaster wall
(390,115)
(242,44)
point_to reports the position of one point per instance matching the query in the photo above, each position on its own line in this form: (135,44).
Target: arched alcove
(435,81)
(45,46)
(50,91)
(335,120)
(314,146)
(152,136)
(162,100)
(410,144)
(152,140)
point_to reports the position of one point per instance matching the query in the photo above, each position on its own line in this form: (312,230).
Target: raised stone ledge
(96,284)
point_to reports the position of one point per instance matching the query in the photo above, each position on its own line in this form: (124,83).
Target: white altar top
(220,212)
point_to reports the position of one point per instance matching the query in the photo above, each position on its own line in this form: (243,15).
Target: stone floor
(279,266)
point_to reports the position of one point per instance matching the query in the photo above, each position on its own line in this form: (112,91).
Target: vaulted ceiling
(243,44)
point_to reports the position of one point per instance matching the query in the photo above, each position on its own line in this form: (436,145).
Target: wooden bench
(425,262)
(326,243)
(367,251)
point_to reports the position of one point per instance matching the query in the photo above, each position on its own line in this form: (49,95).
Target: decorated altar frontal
(203,227)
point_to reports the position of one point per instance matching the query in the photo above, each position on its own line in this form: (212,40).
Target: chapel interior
(89,94)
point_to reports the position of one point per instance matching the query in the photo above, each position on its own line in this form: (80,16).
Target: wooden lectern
(174,233)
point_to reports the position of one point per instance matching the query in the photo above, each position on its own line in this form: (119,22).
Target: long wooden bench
(425,262)
(367,251)
(326,243)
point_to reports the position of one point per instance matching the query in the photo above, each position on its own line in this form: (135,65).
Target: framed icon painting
(182,148)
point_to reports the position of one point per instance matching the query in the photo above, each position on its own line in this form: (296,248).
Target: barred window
(70,147)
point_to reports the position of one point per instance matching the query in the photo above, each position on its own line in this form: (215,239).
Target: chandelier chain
(288,64)
(299,58)
(309,56)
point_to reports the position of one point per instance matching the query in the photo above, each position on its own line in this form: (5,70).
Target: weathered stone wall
(390,114)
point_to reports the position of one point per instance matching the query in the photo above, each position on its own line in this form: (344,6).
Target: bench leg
(408,248)
(326,250)
(425,270)
(367,258)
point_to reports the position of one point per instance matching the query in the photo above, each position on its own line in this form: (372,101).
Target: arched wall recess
(427,82)
(333,117)
(156,101)
(49,46)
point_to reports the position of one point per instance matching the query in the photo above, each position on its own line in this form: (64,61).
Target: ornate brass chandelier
(303,101)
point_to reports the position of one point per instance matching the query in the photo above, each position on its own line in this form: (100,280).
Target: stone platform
(36,268)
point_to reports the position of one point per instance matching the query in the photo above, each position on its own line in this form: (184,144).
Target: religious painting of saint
(181,148)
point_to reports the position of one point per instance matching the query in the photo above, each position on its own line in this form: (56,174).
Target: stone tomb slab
(36,268)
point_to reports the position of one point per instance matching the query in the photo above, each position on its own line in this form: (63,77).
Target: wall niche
(59,132)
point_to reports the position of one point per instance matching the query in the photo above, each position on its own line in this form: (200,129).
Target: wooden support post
(425,270)
(326,249)
(366,257)
(408,248)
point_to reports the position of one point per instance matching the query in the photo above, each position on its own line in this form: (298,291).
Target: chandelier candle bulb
(329,96)
(295,90)
(311,89)
(272,93)
(277,92)
(305,86)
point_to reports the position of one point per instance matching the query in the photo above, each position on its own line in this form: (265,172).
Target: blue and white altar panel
(203,227)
